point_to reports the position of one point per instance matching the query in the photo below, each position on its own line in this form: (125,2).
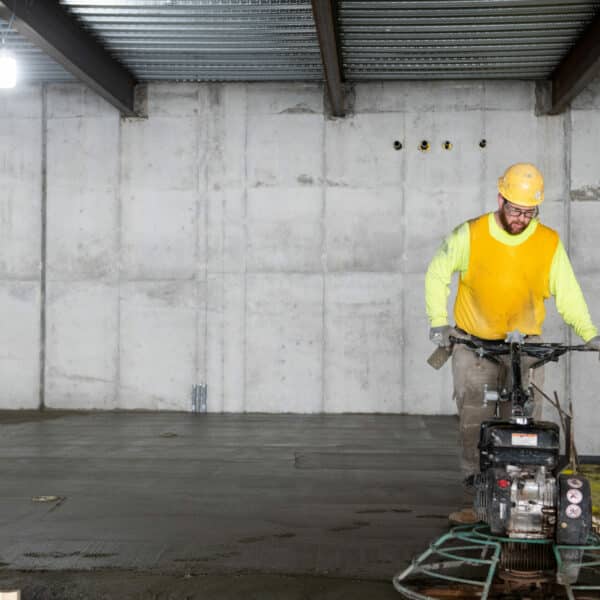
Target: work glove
(441,335)
(594,343)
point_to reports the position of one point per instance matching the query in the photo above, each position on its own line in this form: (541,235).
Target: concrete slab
(445,96)
(585,229)
(360,151)
(584,369)
(158,234)
(513,95)
(426,391)
(280,98)
(512,137)
(22,102)
(284,150)
(21,182)
(83,233)
(585,135)
(419,96)
(19,359)
(74,146)
(553,214)
(364,229)
(456,168)
(183,100)
(284,343)
(224,337)
(284,230)
(20,226)
(226,231)
(363,342)
(347,496)
(227,131)
(161,153)
(157,345)
(551,157)
(433,216)
(76,100)
(82,345)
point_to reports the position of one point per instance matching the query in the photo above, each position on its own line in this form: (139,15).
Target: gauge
(573,511)
(575,483)
(574,496)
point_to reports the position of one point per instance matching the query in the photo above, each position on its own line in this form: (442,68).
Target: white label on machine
(524,439)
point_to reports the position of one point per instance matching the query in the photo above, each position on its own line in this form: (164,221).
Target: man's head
(520,192)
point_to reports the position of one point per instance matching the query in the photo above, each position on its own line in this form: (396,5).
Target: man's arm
(451,256)
(570,302)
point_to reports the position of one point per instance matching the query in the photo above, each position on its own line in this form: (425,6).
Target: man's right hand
(594,343)
(441,335)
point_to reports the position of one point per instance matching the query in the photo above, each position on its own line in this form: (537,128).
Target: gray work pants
(471,373)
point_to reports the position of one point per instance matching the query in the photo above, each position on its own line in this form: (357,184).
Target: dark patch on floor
(209,558)
(51,554)
(14,417)
(253,539)
(379,511)
(262,538)
(353,526)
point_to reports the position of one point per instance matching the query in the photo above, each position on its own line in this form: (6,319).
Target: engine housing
(516,491)
(517,501)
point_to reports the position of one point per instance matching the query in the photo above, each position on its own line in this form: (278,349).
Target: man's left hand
(594,343)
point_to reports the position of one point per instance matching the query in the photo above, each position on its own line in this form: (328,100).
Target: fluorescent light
(8,69)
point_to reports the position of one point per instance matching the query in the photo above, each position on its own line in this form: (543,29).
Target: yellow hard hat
(522,184)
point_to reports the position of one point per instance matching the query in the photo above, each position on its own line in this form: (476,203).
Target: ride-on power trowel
(535,536)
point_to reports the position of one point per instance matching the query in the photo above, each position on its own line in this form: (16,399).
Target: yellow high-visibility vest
(504,287)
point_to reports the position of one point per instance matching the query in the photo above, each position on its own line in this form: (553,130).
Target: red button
(503,483)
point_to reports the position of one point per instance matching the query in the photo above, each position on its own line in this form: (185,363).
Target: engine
(518,502)
(516,490)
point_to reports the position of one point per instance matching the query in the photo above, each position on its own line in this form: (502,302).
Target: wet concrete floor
(220,506)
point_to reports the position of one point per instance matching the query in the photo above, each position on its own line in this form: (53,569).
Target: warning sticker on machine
(524,439)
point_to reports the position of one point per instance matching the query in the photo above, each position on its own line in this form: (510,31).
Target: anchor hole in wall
(397,145)
(447,145)
(483,143)
(424,146)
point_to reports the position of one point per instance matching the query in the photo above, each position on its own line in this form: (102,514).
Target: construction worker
(509,264)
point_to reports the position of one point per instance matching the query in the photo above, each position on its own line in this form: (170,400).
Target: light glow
(8,69)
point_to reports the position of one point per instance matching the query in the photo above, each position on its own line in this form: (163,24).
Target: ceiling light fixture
(8,69)
(8,64)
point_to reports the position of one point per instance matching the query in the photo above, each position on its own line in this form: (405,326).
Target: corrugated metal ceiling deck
(253,40)
(458,39)
(207,40)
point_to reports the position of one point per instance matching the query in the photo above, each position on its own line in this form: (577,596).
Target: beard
(512,229)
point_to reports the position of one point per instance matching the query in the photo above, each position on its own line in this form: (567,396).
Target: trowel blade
(439,357)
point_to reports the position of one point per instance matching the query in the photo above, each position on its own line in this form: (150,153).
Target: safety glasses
(513,211)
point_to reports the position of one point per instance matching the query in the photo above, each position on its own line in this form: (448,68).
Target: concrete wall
(239,237)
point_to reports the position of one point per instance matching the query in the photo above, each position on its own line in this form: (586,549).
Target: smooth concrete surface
(239,237)
(342,496)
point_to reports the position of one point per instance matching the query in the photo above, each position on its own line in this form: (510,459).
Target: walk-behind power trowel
(535,536)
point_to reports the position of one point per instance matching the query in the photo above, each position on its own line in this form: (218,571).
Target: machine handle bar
(545,351)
